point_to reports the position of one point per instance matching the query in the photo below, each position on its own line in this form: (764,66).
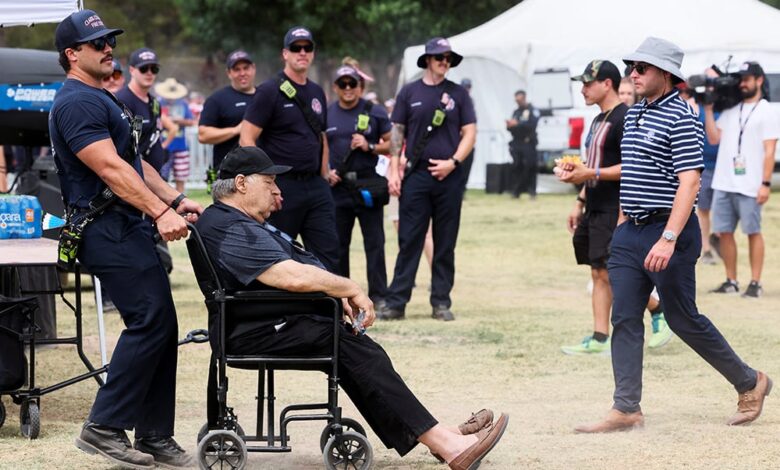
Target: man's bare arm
(397,139)
(217,135)
(249,134)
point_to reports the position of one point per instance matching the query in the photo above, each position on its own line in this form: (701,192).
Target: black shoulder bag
(367,192)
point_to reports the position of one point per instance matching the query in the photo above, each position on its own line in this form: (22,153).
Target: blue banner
(28,97)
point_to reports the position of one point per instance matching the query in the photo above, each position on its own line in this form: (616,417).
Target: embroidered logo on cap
(147,55)
(94,21)
(443,42)
(300,32)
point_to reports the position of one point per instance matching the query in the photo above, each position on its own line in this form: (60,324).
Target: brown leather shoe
(615,421)
(751,402)
(470,458)
(478,421)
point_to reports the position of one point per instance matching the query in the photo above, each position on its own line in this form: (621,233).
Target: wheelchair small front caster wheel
(30,419)
(349,450)
(222,449)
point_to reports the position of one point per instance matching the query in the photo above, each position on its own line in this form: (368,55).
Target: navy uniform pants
(308,211)
(526,167)
(372,227)
(424,199)
(140,392)
(632,284)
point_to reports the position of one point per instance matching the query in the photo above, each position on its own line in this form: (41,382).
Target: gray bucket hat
(661,53)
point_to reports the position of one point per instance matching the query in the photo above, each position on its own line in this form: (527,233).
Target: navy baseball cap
(238,56)
(80,27)
(751,68)
(297,33)
(141,57)
(438,46)
(249,161)
(346,71)
(117,66)
(599,70)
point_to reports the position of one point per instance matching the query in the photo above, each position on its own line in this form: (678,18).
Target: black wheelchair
(222,443)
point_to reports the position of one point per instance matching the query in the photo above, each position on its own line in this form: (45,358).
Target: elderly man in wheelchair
(246,249)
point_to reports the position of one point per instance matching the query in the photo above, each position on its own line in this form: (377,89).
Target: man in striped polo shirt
(657,240)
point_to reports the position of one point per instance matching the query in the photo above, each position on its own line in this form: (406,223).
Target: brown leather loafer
(478,421)
(470,458)
(615,421)
(751,402)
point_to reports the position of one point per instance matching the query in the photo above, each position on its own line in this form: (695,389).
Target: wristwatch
(371,147)
(768,184)
(455,161)
(669,236)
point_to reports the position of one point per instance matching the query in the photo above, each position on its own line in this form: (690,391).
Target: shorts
(181,165)
(730,208)
(705,193)
(592,238)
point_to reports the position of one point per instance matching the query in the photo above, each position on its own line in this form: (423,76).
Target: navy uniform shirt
(414,108)
(225,108)
(151,129)
(82,115)
(660,139)
(342,123)
(287,137)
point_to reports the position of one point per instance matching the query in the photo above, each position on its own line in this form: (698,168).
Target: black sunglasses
(145,68)
(301,47)
(343,84)
(115,76)
(100,43)
(640,67)
(442,57)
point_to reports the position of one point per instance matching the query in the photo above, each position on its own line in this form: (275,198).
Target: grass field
(518,297)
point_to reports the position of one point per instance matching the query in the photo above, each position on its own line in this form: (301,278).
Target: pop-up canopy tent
(501,55)
(30,12)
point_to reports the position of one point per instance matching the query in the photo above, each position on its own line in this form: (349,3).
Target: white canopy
(501,55)
(30,12)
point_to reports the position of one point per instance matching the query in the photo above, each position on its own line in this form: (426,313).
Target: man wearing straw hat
(658,240)
(176,108)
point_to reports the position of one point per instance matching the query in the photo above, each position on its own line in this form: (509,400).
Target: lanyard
(742,125)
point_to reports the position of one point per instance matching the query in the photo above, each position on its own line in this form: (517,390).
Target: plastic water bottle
(33,217)
(12,219)
(5,232)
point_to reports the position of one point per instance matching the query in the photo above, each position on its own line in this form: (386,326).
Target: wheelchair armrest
(275,294)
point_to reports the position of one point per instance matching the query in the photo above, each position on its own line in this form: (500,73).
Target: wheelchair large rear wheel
(205,430)
(222,450)
(348,451)
(347,424)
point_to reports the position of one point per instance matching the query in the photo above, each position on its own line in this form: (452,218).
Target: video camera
(722,91)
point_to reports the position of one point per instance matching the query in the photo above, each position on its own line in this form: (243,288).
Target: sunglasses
(154,68)
(640,67)
(100,43)
(343,84)
(301,47)
(114,76)
(443,57)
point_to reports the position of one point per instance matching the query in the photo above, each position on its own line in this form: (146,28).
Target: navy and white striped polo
(660,139)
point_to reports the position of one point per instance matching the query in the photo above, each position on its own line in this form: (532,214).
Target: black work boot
(166,452)
(112,444)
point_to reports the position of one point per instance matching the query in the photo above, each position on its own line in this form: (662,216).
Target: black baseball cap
(599,70)
(79,27)
(249,161)
(297,33)
(751,68)
(238,56)
(117,66)
(143,56)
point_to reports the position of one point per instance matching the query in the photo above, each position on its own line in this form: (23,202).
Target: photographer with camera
(747,134)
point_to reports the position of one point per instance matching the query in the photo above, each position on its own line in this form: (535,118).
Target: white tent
(502,54)
(30,12)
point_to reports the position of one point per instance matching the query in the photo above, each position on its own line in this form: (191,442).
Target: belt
(298,175)
(655,217)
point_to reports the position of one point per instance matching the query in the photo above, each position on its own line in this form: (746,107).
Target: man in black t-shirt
(248,251)
(596,210)
(287,120)
(434,120)
(357,132)
(95,148)
(220,120)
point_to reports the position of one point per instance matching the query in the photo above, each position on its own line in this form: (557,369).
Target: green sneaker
(587,347)
(662,334)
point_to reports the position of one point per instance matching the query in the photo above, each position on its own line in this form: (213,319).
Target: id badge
(739,165)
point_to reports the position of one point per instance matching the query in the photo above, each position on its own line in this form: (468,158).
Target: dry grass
(518,297)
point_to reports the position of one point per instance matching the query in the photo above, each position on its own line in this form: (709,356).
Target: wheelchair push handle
(195,336)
